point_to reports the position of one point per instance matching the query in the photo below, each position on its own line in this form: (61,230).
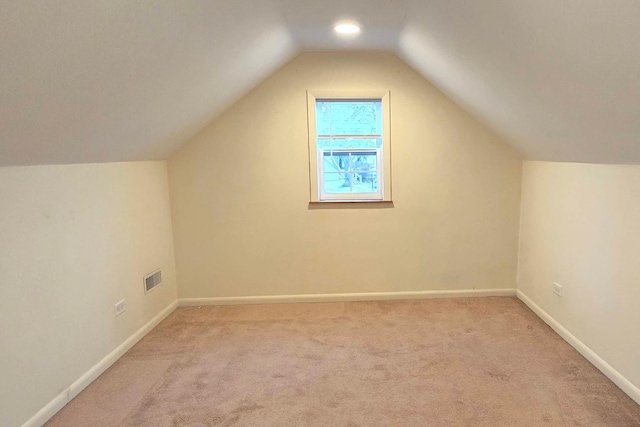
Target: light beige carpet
(455,362)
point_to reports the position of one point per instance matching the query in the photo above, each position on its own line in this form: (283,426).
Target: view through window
(350,149)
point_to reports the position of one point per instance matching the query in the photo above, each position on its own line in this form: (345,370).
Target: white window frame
(383,155)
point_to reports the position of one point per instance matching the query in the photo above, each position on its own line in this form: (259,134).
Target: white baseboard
(368,296)
(625,385)
(81,383)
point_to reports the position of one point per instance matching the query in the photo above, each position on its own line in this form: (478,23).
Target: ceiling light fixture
(347,29)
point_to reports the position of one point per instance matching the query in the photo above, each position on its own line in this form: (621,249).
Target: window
(349,148)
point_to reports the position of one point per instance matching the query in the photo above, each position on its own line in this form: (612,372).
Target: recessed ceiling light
(347,29)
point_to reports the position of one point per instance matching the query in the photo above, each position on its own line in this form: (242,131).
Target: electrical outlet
(120,307)
(557,289)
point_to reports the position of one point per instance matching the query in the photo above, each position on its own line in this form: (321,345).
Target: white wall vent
(152,280)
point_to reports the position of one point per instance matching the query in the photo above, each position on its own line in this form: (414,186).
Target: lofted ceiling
(115,80)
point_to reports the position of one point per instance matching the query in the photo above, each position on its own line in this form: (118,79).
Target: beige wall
(74,240)
(581,228)
(240,193)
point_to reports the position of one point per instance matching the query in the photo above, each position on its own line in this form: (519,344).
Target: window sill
(352,204)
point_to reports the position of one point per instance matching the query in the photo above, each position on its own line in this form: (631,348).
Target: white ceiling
(113,80)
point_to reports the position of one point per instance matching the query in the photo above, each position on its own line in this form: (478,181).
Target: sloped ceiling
(114,80)
(111,80)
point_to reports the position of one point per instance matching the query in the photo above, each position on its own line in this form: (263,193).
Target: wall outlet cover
(120,307)
(557,289)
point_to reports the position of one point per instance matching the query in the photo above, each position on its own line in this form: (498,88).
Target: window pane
(363,161)
(337,182)
(364,182)
(351,172)
(336,162)
(338,143)
(335,117)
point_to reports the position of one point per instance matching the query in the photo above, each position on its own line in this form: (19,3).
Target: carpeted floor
(440,362)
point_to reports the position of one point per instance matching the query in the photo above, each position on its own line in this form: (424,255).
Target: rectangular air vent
(152,280)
